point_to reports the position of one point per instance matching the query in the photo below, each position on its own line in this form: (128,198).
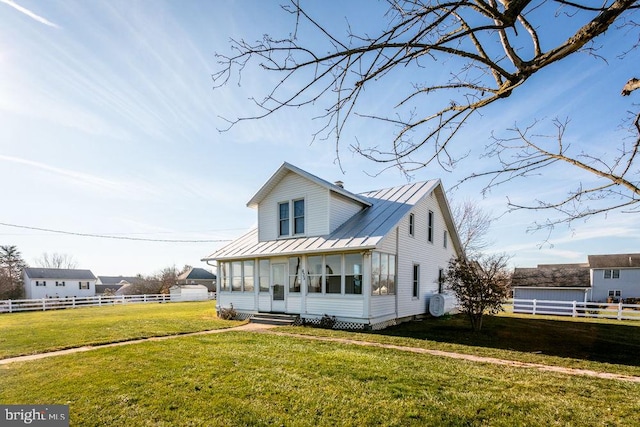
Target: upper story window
(430,227)
(412,225)
(287,210)
(612,274)
(445,241)
(283,209)
(298,216)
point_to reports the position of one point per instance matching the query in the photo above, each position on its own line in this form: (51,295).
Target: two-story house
(368,259)
(58,283)
(615,276)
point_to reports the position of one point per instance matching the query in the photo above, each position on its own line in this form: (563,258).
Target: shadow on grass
(599,342)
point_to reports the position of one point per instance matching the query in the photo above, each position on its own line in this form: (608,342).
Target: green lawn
(596,344)
(40,331)
(241,378)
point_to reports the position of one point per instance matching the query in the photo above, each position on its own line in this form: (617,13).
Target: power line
(105,236)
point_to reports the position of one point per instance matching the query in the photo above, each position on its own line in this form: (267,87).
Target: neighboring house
(615,276)
(604,277)
(198,276)
(368,259)
(113,282)
(58,283)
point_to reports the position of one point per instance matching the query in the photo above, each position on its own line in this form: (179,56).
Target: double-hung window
(612,274)
(416,280)
(412,224)
(83,285)
(283,209)
(288,211)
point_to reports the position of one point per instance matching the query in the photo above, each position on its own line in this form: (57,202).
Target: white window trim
(292,219)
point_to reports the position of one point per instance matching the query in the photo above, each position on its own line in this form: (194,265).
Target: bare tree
(473,224)
(490,48)
(56,260)
(481,286)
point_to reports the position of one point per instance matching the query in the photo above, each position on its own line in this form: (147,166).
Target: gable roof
(115,280)
(284,170)
(196,273)
(59,273)
(615,261)
(553,275)
(364,230)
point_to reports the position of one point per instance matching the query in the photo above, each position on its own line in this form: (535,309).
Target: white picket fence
(602,310)
(42,304)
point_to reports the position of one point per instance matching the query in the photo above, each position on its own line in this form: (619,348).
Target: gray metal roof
(59,273)
(364,230)
(196,273)
(615,261)
(286,168)
(552,275)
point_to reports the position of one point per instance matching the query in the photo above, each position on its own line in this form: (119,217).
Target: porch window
(314,269)
(224,273)
(353,274)
(333,274)
(236,276)
(383,274)
(612,274)
(263,279)
(283,209)
(294,274)
(247,276)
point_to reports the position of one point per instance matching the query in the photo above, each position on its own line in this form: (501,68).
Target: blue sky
(109,125)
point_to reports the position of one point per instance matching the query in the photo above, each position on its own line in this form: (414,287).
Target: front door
(278,288)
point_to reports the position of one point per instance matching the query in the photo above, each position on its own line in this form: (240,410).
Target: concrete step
(274,319)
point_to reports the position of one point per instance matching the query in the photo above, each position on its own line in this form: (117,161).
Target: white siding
(417,249)
(383,305)
(70,289)
(350,306)
(341,209)
(549,294)
(628,283)
(241,300)
(293,187)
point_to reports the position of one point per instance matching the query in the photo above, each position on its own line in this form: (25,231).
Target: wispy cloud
(29,13)
(85,179)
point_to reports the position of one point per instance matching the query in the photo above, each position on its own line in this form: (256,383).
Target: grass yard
(597,344)
(41,331)
(239,379)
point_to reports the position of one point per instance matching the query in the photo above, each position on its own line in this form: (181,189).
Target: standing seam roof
(364,230)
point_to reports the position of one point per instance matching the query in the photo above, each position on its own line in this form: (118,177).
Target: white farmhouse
(58,283)
(368,259)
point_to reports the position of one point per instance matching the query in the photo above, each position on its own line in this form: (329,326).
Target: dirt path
(255,327)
